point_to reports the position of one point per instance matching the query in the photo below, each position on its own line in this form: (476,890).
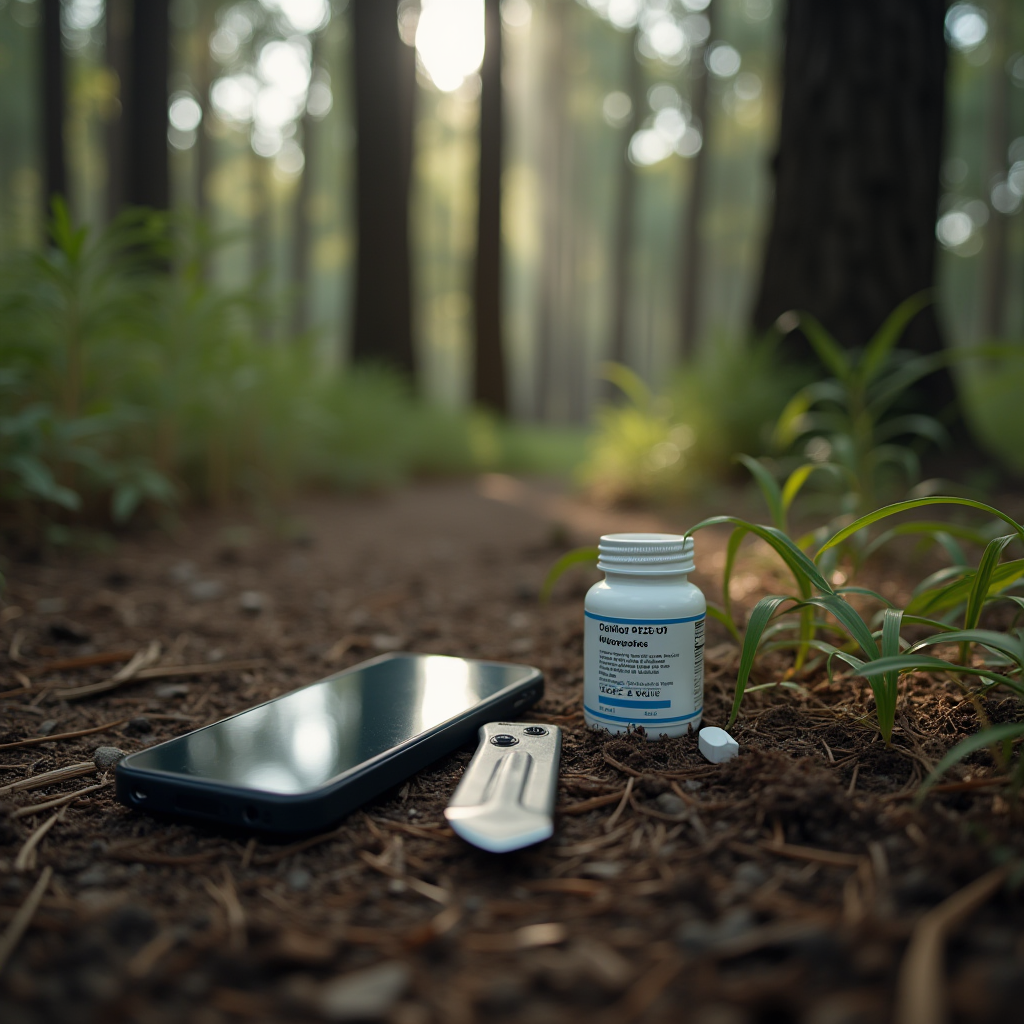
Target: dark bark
(52,63)
(204,141)
(553,160)
(384,89)
(625,215)
(118,26)
(690,277)
(489,387)
(301,237)
(138,51)
(857,168)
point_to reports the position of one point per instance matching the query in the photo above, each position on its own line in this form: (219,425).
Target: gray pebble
(252,601)
(692,785)
(299,879)
(45,728)
(107,757)
(669,803)
(365,995)
(139,724)
(205,590)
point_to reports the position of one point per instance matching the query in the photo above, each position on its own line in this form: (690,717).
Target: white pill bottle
(643,640)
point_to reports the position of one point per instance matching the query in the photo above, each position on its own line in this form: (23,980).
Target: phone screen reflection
(307,738)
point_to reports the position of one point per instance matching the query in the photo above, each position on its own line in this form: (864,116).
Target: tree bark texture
(384,90)
(625,214)
(147,170)
(857,168)
(690,256)
(54,105)
(489,387)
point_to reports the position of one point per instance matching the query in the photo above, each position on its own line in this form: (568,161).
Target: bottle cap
(647,554)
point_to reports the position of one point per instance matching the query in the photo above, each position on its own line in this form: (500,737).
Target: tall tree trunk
(552,168)
(52,63)
(204,79)
(260,245)
(993,308)
(489,364)
(690,280)
(301,236)
(384,91)
(625,213)
(857,168)
(147,170)
(118,27)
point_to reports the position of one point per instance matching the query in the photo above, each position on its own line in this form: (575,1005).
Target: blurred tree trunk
(261,270)
(204,80)
(691,256)
(303,198)
(138,50)
(857,168)
(118,28)
(553,160)
(385,85)
(625,214)
(489,388)
(994,293)
(52,63)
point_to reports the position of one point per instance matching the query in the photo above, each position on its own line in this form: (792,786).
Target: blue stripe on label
(616,703)
(644,622)
(640,721)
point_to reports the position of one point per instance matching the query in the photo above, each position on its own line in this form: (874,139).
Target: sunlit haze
(450,40)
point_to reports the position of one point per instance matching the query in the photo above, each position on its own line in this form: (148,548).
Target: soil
(786,885)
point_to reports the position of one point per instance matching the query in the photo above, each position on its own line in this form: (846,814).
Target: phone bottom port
(250,814)
(139,796)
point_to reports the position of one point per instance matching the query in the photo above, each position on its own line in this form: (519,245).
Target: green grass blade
(629,383)
(917,425)
(828,350)
(850,620)
(731,550)
(922,663)
(865,592)
(759,617)
(804,571)
(985,738)
(725,619)
(881,345)
(904,506)
(796,480)
(927,528)
(958,592)
(1004,643)
(983,578)
(886,689)
(769,488)
(578,556)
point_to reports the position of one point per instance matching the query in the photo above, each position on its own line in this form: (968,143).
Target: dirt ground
(797,883)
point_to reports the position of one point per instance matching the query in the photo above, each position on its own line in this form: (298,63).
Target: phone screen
(303,740)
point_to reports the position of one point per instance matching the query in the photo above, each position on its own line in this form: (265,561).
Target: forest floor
(799,882)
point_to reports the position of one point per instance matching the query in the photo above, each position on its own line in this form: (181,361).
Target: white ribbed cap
(648,554)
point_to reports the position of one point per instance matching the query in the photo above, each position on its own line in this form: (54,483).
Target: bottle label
(643,671)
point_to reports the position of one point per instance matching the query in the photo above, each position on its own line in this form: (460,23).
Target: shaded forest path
(784,886)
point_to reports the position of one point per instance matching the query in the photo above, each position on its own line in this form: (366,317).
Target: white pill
(717,745)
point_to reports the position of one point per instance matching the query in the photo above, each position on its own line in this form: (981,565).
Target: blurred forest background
(405,238)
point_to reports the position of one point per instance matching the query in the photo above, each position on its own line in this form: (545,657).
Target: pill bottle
(643,639)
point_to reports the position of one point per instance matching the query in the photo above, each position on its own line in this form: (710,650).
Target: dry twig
(33,741)
(26,859)
(72,771)
(60,801)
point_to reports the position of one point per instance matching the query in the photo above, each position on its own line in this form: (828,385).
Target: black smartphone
(302,761)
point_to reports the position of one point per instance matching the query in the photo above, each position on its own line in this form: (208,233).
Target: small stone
(669,803)
(205,590)
(299,879)
(107,757)
(96,875)
(139,724)
(385,642)
(365,995)
(252,601)
(51,605)
(692,785)
(183,572)
(717,745)
(45,728)
(169,690)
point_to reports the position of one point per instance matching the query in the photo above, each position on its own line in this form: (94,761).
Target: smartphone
(301,762)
